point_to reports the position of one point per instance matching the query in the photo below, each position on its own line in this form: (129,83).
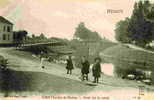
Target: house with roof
(6,31)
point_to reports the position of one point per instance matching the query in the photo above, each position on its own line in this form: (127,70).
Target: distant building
(6,31)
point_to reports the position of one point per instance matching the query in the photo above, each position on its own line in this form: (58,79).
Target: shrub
(3,62)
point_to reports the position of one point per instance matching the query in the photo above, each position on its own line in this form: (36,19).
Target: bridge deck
(45,43)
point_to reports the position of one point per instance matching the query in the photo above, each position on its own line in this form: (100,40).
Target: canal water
(107,68)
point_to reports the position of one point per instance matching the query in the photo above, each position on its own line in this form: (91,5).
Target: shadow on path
(21,81)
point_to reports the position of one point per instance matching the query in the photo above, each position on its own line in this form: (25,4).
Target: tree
(42,36)
(139,29)
(33,36)
(84,33)
(83,42)
(149,11)
(121,31)
(19,37)
(3,63)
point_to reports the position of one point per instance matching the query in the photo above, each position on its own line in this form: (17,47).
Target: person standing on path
(85,68)
(96,69)
(42,58)
(69,65)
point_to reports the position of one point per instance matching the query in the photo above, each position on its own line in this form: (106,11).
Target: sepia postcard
(76,49)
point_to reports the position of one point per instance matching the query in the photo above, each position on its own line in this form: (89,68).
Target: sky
(59,18)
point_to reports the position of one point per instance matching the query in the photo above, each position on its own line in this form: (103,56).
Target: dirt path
(32,64)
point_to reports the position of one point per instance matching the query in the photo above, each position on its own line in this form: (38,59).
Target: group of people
(85,67)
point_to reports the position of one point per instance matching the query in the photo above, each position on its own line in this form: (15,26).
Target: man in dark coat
(96,70)
(69,65)
(85,68)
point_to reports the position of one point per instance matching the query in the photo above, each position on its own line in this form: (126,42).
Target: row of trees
(21,37)
(36,39)
(139,28)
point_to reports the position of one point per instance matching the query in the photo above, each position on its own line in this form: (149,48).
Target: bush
(124,71)
(3,62)
(128,60)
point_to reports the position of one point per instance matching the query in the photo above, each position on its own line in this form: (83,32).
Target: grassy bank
(125,58)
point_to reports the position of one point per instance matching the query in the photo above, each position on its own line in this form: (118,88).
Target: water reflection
(107,68)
